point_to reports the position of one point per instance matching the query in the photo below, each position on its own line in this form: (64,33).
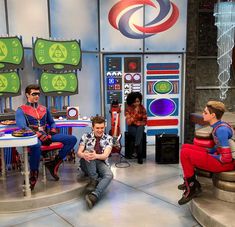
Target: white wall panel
(75,19)
(3,30)
(28,18)
(27,76)
(89,97)
(111,39)
(172,39)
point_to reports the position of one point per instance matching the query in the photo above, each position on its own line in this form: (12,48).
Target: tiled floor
(139,196)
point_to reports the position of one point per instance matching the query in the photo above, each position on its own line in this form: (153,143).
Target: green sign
(9,84)
(11,53)
(59,84)
(57,55)
(162,87)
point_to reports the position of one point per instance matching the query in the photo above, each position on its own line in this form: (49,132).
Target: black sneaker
(91,185)
(91,200)
(189,194)
(182,186)
(33,179)
(53,167)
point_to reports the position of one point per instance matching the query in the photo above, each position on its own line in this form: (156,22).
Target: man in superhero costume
(38,118)
(216,159)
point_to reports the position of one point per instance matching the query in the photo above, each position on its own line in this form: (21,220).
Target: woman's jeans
(137,132)
(97,170)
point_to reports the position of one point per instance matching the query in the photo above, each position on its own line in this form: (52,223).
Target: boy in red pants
(216,159)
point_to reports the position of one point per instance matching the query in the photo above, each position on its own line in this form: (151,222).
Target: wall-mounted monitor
(59,84)
(10,84)
(11,53)
(57,56)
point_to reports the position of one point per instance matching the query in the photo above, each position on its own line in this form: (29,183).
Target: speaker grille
(167,149)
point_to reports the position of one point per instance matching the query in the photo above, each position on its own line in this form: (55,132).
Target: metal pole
(3,164)
(27,189)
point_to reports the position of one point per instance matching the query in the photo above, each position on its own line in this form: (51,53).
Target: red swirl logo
(121,13)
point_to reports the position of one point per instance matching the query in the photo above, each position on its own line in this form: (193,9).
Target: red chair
(48,153)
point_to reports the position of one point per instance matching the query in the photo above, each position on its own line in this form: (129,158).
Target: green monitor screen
(59,84)
(58,56)
(11,53)
(9,84)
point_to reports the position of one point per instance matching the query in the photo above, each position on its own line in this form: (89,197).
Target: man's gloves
(44,138)
(52,131)
(211,150)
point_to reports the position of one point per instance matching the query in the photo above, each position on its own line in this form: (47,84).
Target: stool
(47,154)
(224,184)
(203,173)
(203,137)
(129,145)
(204,133)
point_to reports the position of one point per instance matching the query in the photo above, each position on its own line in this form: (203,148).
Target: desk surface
(11,141)
(73,123)
(59,124)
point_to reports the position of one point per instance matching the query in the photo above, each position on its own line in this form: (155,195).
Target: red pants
(192,156)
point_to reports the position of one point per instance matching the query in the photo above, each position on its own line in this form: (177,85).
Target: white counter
(11,141)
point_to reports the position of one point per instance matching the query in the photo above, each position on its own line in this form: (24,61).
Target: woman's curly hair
(131,97)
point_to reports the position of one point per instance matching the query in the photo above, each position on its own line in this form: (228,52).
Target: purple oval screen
(162,107)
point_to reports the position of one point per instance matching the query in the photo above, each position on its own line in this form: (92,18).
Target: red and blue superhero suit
(37,118)
(216,159)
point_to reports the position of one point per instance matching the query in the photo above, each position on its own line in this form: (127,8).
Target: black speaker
(167,149)
(129,145)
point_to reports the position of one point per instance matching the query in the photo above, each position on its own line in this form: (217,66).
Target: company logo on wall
(120,17)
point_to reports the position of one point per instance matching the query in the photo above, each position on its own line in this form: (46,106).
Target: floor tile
(124,206)
(137,175)
(165,189)
(18,218)
(139,196)
(52,220)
